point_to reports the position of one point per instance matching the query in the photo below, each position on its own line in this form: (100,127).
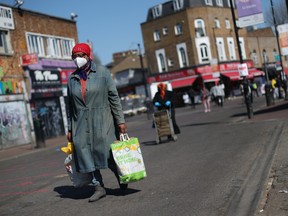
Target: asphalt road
(218,166)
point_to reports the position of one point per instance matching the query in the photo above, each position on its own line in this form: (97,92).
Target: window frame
(5,38)
(157,11)
(49,46)
(182,55)
(178,28)
(219,3)
(209,2)
(221,49)
(231,48)
(161,60)
(178,5)
(200,24)
(156,35)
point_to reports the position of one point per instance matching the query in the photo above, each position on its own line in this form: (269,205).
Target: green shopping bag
(128,157)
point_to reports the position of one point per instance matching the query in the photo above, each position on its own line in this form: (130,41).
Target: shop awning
(183,82)
(255,72)
(209,77)
(234,74)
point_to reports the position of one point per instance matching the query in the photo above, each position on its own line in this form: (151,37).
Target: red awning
(234,74)
(209,77)
(254,72)
(183,82)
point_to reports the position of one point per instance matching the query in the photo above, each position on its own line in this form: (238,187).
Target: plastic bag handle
(124,137)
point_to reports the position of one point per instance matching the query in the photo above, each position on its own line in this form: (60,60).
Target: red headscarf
(82,47)
(162,89)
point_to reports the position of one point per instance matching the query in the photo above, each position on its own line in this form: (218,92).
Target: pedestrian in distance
(95,118)
(206,99)
(192,93)
(162,100)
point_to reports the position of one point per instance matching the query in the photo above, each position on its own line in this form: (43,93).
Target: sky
(112,25)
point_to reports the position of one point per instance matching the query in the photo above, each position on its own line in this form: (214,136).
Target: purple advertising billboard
(249,12)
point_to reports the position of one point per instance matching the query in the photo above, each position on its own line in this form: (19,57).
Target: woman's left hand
(122,128)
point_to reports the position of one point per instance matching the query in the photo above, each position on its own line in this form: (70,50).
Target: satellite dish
(73,15)
(18,3)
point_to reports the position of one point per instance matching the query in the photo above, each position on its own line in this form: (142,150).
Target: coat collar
(92,70)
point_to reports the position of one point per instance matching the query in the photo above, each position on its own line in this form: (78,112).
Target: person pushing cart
(164,117)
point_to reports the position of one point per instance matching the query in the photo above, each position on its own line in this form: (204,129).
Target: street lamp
(247,94)
(268,87)
(143,72)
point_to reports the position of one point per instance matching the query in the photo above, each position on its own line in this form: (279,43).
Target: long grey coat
(93,122)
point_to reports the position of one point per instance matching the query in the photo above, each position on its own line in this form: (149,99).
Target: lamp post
(143,72)
(268,87)
(247,94)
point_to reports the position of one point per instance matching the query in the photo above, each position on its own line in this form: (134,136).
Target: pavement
(274,199)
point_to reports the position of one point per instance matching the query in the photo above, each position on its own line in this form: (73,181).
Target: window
(165,30)
(227,23)
(177,4)
(254,57)
(161,60)
(219,3)
(36,45)
(200,28)
(157,11)
(220,49)
(216,23)
(5,42)
(231,48)
(208,2)
(182,55)
(49,46)
(242,46)
(178,29)
(204,52)
(157,35)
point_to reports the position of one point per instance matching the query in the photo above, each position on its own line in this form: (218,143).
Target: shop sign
(6,18)
(234,65)
(45,78)
(243,69)
(29,59)
(171,75)
(65,76)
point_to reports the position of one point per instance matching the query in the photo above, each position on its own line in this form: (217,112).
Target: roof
(130,62)
(167,7)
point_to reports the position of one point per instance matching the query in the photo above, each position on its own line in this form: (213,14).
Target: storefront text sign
(29,59)
(6,18)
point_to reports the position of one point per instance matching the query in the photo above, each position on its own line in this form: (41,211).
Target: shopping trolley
(164,125)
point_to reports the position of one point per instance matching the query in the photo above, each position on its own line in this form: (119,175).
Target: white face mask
(80,62)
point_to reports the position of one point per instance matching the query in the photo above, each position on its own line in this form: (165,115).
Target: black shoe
(123,186)
(99,193)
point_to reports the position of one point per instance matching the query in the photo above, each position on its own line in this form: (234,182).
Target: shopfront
(46,93)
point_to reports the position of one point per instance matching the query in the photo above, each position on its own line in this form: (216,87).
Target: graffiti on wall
(14,125)
(49,112)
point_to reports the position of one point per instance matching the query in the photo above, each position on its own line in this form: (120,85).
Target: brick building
(35,62)
(188,39)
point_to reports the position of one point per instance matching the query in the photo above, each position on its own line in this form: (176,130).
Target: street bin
(269,95)
(39,133)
